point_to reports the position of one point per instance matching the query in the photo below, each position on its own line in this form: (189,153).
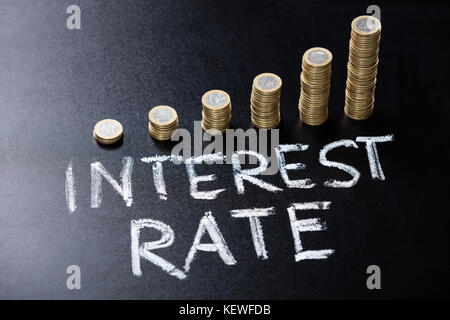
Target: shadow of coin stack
(362,67)
(216,114)
(265,101)
(163,120)
(315,86)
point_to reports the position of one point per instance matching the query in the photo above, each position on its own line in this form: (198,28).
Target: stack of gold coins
(216,114)
(108,131)
(163,121)
(315,86)
(265,101)
(362,67)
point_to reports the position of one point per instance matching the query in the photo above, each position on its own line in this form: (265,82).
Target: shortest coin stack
(163,121)
(108,131)
(265,101)
(315,86)
(216,114)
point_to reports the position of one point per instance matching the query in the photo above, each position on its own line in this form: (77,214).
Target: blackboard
(129,56)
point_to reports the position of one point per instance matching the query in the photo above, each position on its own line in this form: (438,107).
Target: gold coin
(317,57)
(216,100)
(162,115)
(366,26)
(108,131)
(267,83)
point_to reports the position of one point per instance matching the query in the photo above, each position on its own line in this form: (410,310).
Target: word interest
(124,188)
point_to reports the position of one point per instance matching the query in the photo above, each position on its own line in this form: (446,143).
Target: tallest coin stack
(362,67)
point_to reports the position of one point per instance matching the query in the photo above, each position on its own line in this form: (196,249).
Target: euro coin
(108,131)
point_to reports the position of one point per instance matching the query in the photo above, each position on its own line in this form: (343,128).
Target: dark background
(129,56)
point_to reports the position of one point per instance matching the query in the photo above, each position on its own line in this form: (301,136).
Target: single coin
(318,56)
(163,115)
(366,25)
(108,131)
(216,99)
(267,82)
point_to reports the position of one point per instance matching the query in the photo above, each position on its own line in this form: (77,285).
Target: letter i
(70,189)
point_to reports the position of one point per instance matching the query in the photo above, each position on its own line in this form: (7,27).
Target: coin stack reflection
(315,86)
(216,114)
(163,120)
(265,101)
(362,67)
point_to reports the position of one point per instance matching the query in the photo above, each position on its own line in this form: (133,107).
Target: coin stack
(163,120)
(362,67)
(315,86)
(265,101)
(108,131)
(216,114)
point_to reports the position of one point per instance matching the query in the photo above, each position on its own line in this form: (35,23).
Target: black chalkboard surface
(129,56)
